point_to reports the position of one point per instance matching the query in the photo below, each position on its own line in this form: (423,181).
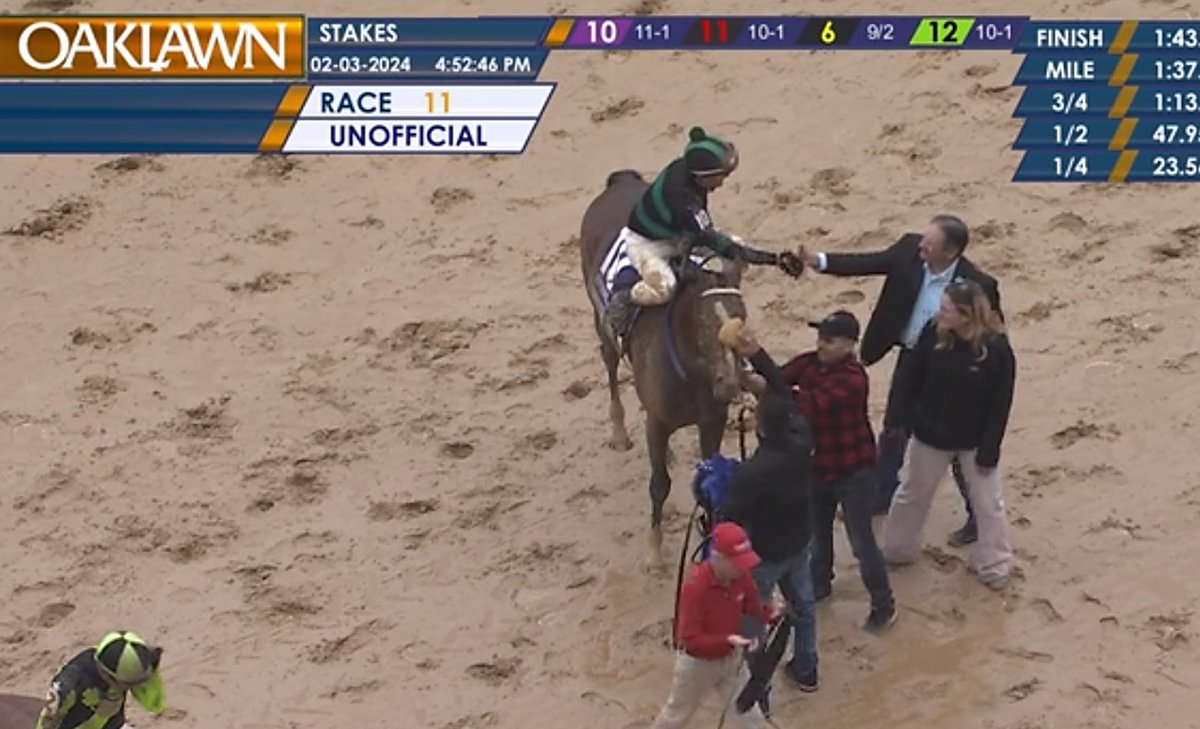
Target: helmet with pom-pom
(125,657)
(707,154)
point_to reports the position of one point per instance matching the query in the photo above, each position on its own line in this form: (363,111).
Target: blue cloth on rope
(710,489)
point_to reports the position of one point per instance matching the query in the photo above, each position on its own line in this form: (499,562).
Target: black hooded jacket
(769,493)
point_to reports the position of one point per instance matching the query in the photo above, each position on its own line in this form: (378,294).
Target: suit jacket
(905,272)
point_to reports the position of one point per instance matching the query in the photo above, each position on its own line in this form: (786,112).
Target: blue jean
(794,578)
(856,495)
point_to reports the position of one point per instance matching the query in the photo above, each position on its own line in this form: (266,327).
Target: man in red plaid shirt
(830,387)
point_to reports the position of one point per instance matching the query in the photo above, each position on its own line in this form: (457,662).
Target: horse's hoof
(620,443)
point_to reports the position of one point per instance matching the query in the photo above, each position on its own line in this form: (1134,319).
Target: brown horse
(19,712)
(682,373)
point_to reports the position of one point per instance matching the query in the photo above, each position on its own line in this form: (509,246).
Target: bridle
(722,291)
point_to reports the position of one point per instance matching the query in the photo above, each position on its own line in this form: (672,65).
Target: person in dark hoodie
(769,495)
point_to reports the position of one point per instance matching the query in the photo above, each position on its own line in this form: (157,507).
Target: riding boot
(620,313)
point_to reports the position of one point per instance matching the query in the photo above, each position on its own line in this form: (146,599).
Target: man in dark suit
(917,268)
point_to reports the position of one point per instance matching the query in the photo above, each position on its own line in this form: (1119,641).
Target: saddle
(617,276)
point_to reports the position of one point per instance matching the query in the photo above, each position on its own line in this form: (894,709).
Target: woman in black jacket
(961,389)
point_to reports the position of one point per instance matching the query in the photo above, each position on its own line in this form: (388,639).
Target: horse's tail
(619,175)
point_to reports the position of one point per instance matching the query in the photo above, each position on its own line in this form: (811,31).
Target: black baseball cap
(840,323)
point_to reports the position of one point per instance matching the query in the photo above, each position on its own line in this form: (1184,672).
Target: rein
(741,425)
(683,559)
(691,525)
(772,630)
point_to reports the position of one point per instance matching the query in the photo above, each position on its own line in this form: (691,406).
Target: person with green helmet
(89,691)
(675,209)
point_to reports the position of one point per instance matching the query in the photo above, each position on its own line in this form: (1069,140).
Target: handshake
(793,263)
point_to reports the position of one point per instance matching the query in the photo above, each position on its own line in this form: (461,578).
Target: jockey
(675,207)
(89,692)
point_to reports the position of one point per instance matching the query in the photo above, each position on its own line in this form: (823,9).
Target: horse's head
(717,297)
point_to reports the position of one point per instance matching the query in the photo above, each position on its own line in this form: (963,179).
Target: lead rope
(687,535)
(741,426)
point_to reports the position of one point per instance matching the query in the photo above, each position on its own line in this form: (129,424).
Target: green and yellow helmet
(125,658)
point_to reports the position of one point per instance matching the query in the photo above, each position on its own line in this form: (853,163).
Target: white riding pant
(652,259)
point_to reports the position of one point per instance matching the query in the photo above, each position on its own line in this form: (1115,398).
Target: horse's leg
(658,436)
(712,432)
(616,411)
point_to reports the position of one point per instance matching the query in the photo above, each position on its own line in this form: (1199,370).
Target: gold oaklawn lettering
(181,39)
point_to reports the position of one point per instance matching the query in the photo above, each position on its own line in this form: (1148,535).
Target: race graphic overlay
(1103,101)
(1109,102)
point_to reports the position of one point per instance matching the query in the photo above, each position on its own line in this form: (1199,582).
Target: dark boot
(967,535)
(620,313)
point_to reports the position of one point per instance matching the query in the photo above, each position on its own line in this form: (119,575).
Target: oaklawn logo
(152,46)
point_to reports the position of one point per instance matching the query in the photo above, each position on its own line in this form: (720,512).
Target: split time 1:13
(1167,102)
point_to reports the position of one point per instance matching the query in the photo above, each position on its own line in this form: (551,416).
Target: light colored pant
(992,557)
(694,678)
(652,259)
